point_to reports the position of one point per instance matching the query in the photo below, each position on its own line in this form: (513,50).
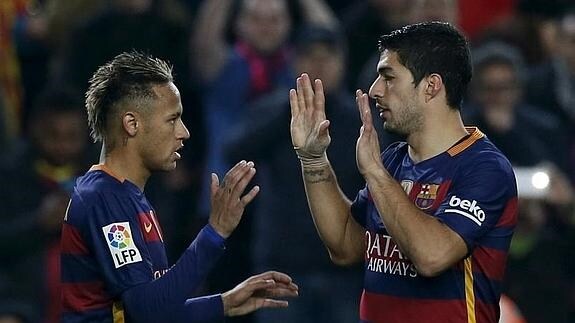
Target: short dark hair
(130,76)
(433,47)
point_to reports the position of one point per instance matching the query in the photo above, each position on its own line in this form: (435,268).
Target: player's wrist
(225,302)
(213,235)
(219,229)
(375,173)
(310,160)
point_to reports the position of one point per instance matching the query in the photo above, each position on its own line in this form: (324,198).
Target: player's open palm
(367,148)
(227,199)
(309,127)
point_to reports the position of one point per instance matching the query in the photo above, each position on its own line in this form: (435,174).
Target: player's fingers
(276,276)
(300,95)
(246,199)
(281,292)
(236,174)
(241,180)
(323,128)
(215,184)
(293,102)
(228,178)
(364,102)
(252,286)
(359,106)
(291,285)
(319,98)
(271,303)
(308,94)
(361,130)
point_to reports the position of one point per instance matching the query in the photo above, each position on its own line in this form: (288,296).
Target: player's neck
(123,164)
(437,135)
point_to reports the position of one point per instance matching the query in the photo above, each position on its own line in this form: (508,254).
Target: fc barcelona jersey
(471,188)
(111,243)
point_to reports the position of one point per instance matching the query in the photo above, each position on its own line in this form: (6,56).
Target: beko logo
(467,208)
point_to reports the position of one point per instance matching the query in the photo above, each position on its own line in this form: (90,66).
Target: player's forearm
(204,309)
(195,310)
(427,242)
(166,296)
(318,13)
(331,213)
(208,39)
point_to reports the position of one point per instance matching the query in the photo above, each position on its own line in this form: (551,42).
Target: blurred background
(234,61)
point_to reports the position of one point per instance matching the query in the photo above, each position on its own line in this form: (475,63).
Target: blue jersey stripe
(472,190)
(449,285)
(70,274)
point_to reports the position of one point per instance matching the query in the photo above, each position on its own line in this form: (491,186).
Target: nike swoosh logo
(148,227)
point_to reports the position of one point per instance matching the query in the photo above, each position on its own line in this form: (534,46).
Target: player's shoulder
(96,184)
(483,151)
(483,157)
(96,190)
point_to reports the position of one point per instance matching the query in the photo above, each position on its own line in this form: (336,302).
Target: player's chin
(167,166)
(171,166)
(390,127)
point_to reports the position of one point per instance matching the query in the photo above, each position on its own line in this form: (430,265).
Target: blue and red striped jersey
(114,264)
(471,188)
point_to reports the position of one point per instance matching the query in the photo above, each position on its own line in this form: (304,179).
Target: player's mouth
(384,112)
(176,152)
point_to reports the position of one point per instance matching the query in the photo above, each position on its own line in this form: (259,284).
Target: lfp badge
(121,244)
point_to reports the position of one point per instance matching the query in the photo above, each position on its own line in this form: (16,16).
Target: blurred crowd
(234,62)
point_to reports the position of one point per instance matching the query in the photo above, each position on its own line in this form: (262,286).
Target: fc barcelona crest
(426,196)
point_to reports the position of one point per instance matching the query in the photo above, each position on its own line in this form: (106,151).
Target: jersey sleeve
(167,298)
(117,242)
(359,207)
(477,200)
(126,265)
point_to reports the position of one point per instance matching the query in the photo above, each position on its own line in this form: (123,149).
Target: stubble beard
(408,120)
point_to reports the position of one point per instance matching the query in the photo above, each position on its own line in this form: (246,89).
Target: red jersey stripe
(509,216)
(72,242)
(80,297)
(490,262)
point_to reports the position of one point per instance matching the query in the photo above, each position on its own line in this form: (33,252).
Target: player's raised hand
(308,127)
(367,148)
(227,201)
(259,291)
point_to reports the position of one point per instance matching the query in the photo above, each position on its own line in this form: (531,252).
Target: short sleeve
(477,199)
(359,207)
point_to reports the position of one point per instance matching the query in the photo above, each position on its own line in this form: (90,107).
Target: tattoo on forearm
(314,176)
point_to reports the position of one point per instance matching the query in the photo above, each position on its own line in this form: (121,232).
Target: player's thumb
(324,128)
(215,184)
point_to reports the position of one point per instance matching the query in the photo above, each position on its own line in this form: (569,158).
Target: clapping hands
(227,202)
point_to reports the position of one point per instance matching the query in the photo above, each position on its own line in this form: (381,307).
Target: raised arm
(430,244)
(165,297)
(209,48)
(318,13)
(330,208)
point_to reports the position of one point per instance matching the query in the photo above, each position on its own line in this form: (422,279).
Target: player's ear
(130,123)
(433,85)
